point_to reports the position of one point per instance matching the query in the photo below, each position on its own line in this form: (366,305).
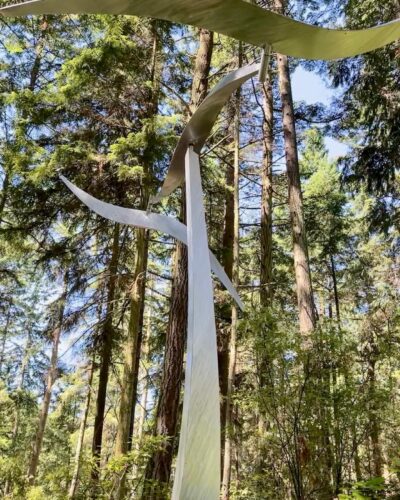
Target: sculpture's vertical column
(198,467)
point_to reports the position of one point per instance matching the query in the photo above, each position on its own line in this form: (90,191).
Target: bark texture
(107,339)
(133,342)
(223,334)
(81,436)
(50,379)
(202,68)
(168,405)
(228,434)
(132,346)
(305,299)
(266,285)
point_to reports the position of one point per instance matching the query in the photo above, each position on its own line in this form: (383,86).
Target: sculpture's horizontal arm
(234,18)
(163,223)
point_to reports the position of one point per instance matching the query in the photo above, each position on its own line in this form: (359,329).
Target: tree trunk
(266,278)
(338,472)
(377,456)
(133,343)
(229,222)
(266,289)
(82,429)
(34,75)
(134,338)
(335,288)
(132,351)
(356,455)
(19,388)
(226,473)
(168,405)
(300,251)
(144,376)
(136,375)
(105,358)
(51,378)
(132,346)
(202,68)
(159,469)
(5,333)
(143,411)
(4,192)
(223,334)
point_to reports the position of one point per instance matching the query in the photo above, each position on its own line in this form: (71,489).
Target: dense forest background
(93,314)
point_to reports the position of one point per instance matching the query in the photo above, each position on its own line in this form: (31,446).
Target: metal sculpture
(200,124)
(148,220)
(197,473)
(235,18)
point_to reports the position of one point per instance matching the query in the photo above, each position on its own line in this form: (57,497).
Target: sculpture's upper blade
(234,18)
(200,125)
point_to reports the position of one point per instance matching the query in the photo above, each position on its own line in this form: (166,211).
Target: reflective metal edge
(200,125)
(235,18)
(197,474)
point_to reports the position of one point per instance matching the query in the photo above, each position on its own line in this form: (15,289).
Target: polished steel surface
(235,18)
(197,475)
(200,124)
(162,223)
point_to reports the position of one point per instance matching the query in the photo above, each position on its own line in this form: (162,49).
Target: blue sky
(310,87)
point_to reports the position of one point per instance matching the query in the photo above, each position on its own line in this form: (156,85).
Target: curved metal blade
(139,218)
(235,18)
(197,475)
(200,124)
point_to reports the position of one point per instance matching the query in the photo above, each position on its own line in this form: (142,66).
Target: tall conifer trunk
(168,405)
(228,434)
(107,338)
(202,69)
(159,468)
(133,342)
(81,436)
(266,288)
(4,333)
(132,350)
(266,276)
(335,288)
(227,261)
(4,192)
(50,379)
(374,424)
(143,375)
(300,250)
(132,346)
(20,386)
(304,292)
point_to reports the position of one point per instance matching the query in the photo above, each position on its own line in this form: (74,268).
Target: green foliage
(372,489)
(316,423)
